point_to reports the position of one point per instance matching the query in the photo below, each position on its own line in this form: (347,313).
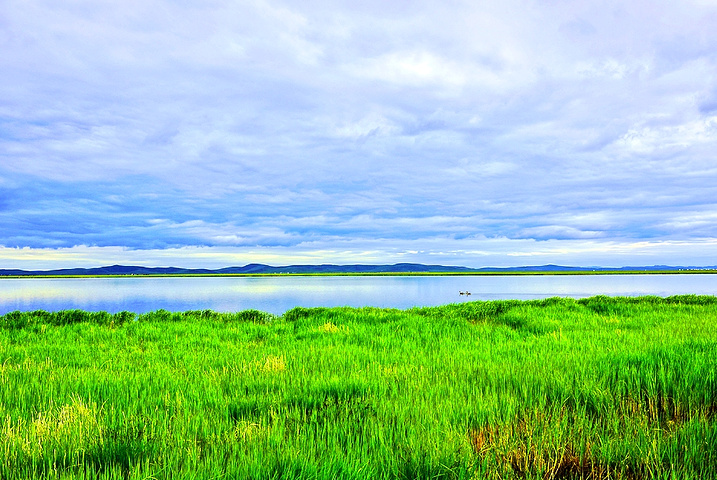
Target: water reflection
(278,294)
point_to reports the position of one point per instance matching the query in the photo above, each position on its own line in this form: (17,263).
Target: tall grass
(602,388)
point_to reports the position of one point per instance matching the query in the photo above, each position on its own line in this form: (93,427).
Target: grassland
(601,388)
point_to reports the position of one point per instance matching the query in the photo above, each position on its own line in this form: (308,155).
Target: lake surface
(278,294)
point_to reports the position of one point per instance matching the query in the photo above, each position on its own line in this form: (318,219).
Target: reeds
(599,388)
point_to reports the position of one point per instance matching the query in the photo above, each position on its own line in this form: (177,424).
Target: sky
(478,133)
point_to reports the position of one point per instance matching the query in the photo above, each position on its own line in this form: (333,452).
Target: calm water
(278,294)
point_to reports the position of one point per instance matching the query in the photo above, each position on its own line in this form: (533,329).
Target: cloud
(277,126)
(475,252)
(559,231)
(648,139)
(708,103)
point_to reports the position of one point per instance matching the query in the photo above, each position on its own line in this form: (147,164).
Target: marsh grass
(598,388)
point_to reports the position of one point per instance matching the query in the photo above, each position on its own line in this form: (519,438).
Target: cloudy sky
(478,133)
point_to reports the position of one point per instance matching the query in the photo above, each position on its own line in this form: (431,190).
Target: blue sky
(215,133)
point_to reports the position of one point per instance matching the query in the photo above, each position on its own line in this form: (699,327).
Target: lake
(278,294)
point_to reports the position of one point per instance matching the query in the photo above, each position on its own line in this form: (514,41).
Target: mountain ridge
(397,268)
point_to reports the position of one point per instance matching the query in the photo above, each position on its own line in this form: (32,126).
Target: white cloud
(613,68)
(647,139)
(560,231)
(475,167)
(274,123)
(371,125)
(412,69)
(474,252)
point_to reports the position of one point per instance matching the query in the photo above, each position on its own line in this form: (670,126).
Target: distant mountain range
(257,268)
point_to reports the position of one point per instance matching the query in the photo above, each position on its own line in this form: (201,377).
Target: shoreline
(386,274)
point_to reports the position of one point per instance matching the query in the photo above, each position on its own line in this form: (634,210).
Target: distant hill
(258,268)
(252,268)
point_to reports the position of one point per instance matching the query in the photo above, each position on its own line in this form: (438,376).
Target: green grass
(601,388)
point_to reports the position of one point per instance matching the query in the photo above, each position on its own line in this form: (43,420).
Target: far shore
(389,274)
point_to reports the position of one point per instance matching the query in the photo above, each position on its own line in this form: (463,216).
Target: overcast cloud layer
(214,133)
